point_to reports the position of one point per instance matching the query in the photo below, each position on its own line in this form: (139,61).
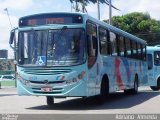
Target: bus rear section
(153,59)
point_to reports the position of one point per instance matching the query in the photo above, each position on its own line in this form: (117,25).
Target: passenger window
(113,43)
(91,43)
(128,47)
(104,42)
(121,45)
(157,58)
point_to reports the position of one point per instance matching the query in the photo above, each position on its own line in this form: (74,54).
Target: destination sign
(45,19)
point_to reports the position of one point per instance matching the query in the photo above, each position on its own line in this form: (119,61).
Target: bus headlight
(76,79)
(25,82)
(72,81)
(81,75)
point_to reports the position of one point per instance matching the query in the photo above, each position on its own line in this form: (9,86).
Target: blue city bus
(75,55)
(153,58)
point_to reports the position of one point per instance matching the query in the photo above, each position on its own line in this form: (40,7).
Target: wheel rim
(136,86)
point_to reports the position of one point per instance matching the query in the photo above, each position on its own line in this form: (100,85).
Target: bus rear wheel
(134,90)
(156,88)
(50,100)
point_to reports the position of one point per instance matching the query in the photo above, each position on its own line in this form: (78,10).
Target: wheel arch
(158,81)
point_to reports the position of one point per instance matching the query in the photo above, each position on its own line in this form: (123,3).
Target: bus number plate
(46,89)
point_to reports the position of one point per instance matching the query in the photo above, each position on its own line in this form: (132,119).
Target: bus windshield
(51,47)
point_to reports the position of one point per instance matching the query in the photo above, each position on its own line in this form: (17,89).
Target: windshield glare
(51,47)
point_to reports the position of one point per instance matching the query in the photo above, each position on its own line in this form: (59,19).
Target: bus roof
(153,48)
(57,20)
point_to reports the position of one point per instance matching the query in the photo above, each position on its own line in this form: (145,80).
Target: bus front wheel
(103,92)
(50,100)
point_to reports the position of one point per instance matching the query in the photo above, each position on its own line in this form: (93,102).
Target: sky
(19,8)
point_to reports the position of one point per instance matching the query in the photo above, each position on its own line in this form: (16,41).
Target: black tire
(50,100)
(156,88)
(104,92)
(133,91)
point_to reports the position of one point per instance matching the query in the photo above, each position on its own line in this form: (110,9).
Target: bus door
(92,49)
(150,69)
(156,65)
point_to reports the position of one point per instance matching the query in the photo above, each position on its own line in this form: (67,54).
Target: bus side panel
(118,72)
(142,73)
(122,71)
(153,70)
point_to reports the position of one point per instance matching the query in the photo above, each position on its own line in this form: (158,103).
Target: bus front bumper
(77,89)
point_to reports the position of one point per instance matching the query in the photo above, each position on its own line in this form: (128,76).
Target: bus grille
(42,82)
(56,86)
(45,71)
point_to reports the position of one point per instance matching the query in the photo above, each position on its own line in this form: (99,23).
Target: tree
(83,5)
(139,24)
(85,2)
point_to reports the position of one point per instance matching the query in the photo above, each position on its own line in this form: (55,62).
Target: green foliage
(134,22)
(84,3)
(140,24)
(7,83)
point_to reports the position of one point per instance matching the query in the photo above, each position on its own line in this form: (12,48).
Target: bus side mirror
(12,36)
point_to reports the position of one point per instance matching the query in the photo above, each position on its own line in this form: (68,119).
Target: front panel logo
(46,82)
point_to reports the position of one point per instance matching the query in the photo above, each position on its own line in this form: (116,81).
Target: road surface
(146,101)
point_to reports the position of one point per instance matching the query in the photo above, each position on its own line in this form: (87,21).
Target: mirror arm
(12,47)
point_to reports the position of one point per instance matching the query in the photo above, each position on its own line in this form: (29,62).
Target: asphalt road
(146,101)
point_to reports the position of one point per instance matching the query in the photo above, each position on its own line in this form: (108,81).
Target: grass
(7,83)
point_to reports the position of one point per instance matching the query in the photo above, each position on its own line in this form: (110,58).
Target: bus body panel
(122,72)
(68,82)
(80,80)
(153,71)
